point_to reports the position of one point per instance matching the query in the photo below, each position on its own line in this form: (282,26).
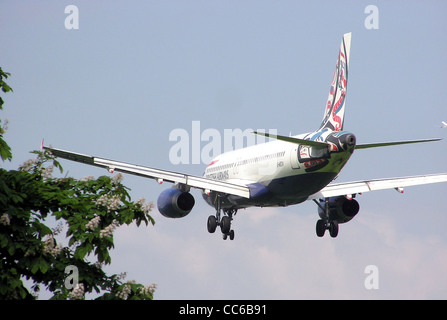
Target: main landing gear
(225,226)
(224,222)
(325,223)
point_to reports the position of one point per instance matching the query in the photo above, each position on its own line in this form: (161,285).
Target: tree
(88,209)
(5,150)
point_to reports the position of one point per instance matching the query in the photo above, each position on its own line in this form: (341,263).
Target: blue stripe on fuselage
(278,192)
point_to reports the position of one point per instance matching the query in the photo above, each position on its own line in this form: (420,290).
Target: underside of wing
(157,174)
(352,188)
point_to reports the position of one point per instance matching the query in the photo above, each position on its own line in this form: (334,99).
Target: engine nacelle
(174,203)
(340,209)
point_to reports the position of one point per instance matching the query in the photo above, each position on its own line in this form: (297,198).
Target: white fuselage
(282,172)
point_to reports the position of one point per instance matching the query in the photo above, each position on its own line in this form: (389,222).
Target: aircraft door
(294,157)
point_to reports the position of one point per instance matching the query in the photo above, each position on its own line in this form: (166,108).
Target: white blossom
(27,165)
(49,153)
(140,201)
(121,276)
(30,164)
(116,179)
(108,231)
(92,224)
(47,172)
(77,293)
(124,293)
(147,207)
(150,289)
(50,248)
(111,203)
(4,219)
(5,125)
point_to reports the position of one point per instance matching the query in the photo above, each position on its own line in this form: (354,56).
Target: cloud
(284,260)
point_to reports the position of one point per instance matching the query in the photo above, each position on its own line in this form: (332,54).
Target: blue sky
(135,71)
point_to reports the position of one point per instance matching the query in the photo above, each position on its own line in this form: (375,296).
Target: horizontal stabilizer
(294,140)
(386,144)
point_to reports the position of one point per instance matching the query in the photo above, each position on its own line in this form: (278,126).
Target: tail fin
(336,102)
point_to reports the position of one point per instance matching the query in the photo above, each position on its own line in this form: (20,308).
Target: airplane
(284,171)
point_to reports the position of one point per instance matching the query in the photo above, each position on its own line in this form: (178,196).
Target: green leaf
(35,267)
(81,252)
(43,266)
(11,249)
(3,240)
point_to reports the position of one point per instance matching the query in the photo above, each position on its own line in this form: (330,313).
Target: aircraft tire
(225,225)
(212,224)
(333,229)
(320,228)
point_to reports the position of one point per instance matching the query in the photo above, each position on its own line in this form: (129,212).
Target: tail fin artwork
(336,102)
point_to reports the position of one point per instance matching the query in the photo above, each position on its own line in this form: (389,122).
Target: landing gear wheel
(223,221)
(322,225)
(212,224)
(333,229)
(225,225)
(321,228)
(229,234)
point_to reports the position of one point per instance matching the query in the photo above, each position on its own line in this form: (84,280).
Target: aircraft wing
(157,174)
(351,188)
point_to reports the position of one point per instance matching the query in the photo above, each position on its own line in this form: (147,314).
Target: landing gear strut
(224,222)
(325,223)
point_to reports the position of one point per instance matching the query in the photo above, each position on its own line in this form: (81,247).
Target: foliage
(5,150)
(89,209)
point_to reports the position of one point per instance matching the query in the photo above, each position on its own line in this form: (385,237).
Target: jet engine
(174,203)
(341,209)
